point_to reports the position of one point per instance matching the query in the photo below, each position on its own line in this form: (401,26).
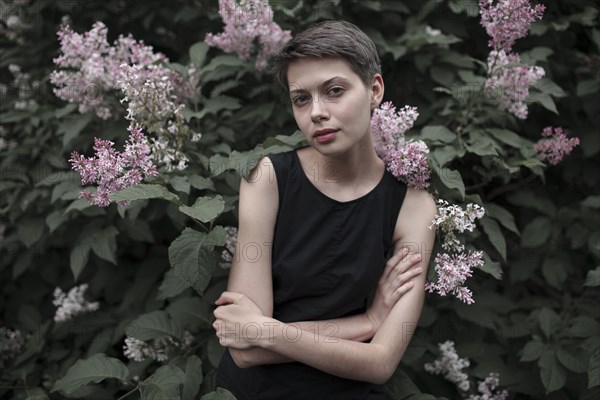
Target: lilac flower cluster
(25,88)
(450,365)
(112,170)
(151,94)
(90,67)
(230,243)
(452,272)
(246,22)
(159,349)
(407,161)
(508,81)
(487,389)
(555,145)
(507,20)
(12,27)
(453,268)
(72,303)
(11,343)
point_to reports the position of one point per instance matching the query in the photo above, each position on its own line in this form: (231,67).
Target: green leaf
(192,257)
(171,285)
(201,182)
(30,230)
(502,215)
(593,277)
(553,374)
(180,183)
(36,394)
(193,377)
(575,361)
(505,136)
(205,209)
(591,202)
(164,384)
(536,232)
(494,234)
(533,350)
(437,133)
(554,272)
(153,325)
(72,126)
(450,178)
(588,86)
(583,327)
(219,394)
(145,191)
(594,369)
(94,369)
(101,242)
(545,100)
(198,53)
(549,321)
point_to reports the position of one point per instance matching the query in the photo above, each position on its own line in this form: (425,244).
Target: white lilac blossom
(452,218)
(159,349)
(247,23)
(72,304)
(25,87)
(487,389)
(230,243)
(153,103)
(11,343)
(450,365)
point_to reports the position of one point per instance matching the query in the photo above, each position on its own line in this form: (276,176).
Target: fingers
(229,297)
(393,262)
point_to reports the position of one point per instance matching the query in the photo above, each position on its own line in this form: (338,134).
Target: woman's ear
(377,89)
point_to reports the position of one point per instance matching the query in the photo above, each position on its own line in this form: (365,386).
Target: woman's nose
(318,110)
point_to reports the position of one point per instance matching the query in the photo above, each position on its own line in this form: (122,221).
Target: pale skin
(327,94)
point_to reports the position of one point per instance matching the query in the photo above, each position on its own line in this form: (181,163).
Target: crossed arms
(390,322)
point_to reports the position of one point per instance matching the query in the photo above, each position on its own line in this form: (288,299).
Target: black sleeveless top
(327,258)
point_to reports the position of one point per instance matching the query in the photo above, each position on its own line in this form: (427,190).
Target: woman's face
(327,95)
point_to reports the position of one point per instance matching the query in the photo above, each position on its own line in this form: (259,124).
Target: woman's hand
(237,321)
(393,284)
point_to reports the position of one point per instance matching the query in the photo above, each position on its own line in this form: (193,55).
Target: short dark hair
(330,39)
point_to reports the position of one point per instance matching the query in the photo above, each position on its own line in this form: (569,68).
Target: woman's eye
(336,90)
(299,100)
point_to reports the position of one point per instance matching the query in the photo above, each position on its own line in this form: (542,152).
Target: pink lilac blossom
(72,304)
(507,20)
(89,67)
(452,271)
(450,365)
(112,170)
(407,161)
(487,389)
(244,23)
(508,82)
(555,146)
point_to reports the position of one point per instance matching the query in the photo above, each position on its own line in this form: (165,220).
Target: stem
(132,391)
(496,192)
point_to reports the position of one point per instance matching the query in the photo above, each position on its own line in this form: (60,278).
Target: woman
(294,318)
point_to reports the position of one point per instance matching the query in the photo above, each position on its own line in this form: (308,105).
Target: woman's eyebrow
(325,83)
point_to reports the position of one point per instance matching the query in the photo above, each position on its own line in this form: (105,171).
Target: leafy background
(155,266)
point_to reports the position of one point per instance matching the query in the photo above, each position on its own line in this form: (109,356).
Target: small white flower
(431,31)
(72,304)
